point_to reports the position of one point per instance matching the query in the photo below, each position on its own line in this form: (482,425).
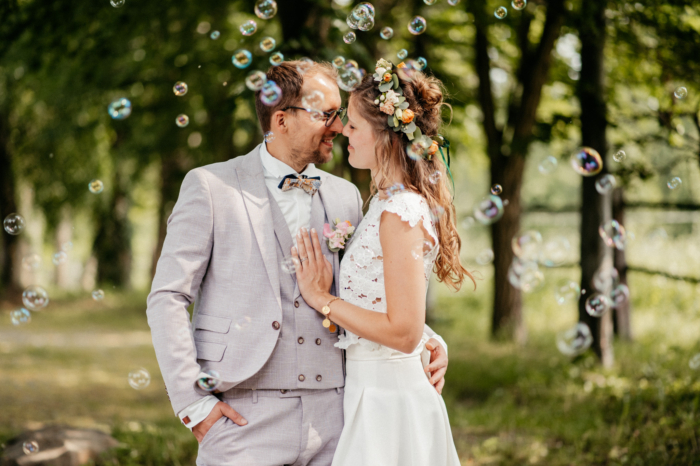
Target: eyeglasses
(328,117)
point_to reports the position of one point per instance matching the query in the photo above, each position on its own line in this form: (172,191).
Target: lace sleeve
(412,208)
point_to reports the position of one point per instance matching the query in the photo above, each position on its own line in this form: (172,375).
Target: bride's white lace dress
(393,416)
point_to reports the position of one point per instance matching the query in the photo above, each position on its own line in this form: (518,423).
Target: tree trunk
(10,288)
(622,317)
(595,207)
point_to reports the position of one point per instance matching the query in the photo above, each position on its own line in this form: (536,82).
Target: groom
(280,399)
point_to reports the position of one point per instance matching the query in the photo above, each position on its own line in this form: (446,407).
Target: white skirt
(393,416)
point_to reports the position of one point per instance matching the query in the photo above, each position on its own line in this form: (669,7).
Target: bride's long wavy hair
(425,97)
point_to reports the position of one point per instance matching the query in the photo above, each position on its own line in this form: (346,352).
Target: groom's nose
(337,126)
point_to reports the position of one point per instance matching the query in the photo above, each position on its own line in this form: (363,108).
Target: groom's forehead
(326,85)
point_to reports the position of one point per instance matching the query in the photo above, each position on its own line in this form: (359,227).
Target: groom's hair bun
(290,81)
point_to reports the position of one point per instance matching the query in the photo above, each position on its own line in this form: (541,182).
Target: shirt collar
(275,168)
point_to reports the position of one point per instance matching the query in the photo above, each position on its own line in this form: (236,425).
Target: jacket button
(283,391)
(302,378)
(276,325)
(300,340)
(296,303)
(318,341)
(319,378)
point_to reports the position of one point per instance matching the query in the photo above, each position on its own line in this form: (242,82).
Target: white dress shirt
(295,204)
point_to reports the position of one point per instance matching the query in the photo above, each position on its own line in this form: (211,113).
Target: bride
(393,415)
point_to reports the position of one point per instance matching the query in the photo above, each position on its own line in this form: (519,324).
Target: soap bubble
(67,246)
(436,213)
(339,61)
(182,120)
(518,4)
(421,63)
(276,59)
(370,8)
(242,58)
(501,12)
(525,275)
(674,182)
(386,33)
(214,35)
(349,38)
(180,88)
(98,295)
(20,317)
(453,2)
(361,12)
(417,25)
(619,156)
(351,21)
(547,165)
(270,93)
(569,291)
(304,64)
(555,251)
(96,186)
(605,278)
(255,80)
(242,323)
(597,304)
(288,266)
(422,248)
(430,2)
(266,9)
(468,222)
(31,262)
(605,184)
(403,53)
(30,447)
(366,24)
(117,3)
(496,189)
(139,379)
(485,257)
(268,44)
(418,148)
(489,210)
(575,340)
(694,362)
(435,176)
(209,380)
(619,295)
(313,100)
(395,189)
(613,234)
(59,258)
(349,77)
(119,109)
(681,93)
(587,161)
(35,298)
(13,224)
(248,28)
(527,245)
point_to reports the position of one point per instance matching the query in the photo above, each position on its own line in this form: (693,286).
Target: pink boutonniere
(337,237)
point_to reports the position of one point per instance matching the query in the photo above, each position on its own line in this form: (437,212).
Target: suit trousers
(285,427)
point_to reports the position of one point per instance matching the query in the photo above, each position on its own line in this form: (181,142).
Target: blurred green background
(510,403)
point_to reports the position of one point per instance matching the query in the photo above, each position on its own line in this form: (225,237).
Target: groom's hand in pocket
(220,409)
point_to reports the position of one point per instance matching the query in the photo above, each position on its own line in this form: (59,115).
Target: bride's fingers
(317,247)
(436,376)
(309,250)
(301,247)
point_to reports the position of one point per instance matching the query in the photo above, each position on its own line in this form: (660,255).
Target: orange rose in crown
(337,237)
(407,116)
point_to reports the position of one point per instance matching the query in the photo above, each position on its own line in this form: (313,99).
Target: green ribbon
(446,160)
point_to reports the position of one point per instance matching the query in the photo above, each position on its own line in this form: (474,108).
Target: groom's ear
(280,121)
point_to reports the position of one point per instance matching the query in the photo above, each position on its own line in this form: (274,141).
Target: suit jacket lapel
(328,196)
(257,201)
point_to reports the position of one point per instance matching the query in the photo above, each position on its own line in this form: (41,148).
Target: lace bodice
(362,267)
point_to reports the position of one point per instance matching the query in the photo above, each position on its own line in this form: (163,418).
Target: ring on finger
(303,259)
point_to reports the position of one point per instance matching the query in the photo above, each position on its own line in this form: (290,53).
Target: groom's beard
(305,157)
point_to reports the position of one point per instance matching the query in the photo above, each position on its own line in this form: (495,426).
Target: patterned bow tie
(309,184)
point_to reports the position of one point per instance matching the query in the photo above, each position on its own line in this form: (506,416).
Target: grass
(508,404)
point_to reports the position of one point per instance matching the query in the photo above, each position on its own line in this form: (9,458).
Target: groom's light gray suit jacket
(224,247)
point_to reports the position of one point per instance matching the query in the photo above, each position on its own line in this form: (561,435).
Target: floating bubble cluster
(597,304)
(489,210)
(276,59)
(35,298)
(586,162)
(30,447)
(518,4)
(605,184)
(361,17)
(349,77)
(241,58)
(674,182)
(139,379)
(13,224)
(20,317)
(119,109)
(547,165)
(575,340)
(386,33)
(248,28)
(269,136)
(255,80)
(500,12)
(98,295)
(182,120)
(180,88)
(417,25)
(614,234)
(349,38)
(270,93)
(268,44)
(265,9)
(96,186)
(209,380)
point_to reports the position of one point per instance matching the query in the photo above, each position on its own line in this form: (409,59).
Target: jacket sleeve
(181,268)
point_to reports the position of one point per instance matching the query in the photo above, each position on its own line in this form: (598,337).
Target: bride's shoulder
(410,206)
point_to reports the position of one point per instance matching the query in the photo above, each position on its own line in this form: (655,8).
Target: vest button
(283,392)
(318,341)
(296,303)
(276,325)
(302,378)
(301,340)
(319,378)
